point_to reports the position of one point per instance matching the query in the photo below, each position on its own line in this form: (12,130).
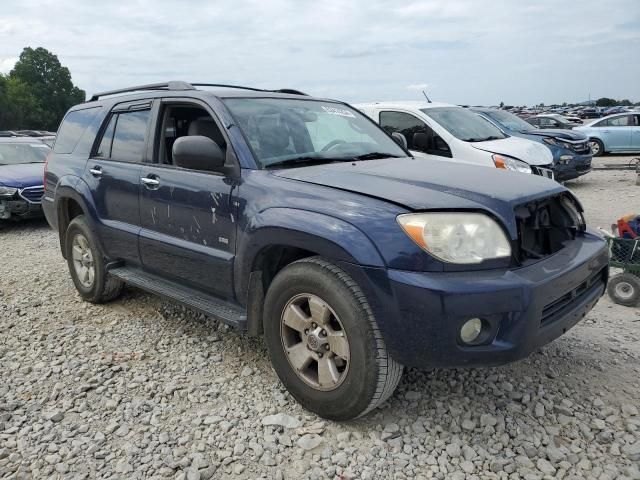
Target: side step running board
(223,311)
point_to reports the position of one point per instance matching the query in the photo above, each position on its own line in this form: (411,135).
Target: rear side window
(72,128)
(619,121)
(125,136)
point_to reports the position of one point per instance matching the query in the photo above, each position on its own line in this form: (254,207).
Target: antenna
(425,96)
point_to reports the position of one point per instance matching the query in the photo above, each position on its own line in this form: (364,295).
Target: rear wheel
(324,342)
(624,289)
(597,147)
(87,264)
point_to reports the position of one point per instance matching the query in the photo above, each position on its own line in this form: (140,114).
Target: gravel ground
(140,388)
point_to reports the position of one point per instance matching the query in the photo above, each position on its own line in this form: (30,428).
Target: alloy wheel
(315,342)
(83,261)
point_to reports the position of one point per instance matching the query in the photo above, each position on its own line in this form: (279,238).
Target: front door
(187,216)
(113,175)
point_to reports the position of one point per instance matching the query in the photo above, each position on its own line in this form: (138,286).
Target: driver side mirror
(400,139)
(197,152)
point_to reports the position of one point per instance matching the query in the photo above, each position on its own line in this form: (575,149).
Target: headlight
(510,163)
(7,191)
(457,237)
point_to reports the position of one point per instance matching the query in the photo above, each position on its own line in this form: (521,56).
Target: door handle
(96,171)
(150,183)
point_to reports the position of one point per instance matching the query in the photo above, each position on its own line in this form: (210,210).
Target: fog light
(470,331)
(566,158)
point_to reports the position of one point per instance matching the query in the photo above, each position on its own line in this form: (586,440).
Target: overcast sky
(462,51)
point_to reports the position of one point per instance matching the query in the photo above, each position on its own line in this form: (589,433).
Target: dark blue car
(571,150)
(21,171)
(301,220)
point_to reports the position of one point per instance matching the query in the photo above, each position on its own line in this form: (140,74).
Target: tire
(363,374)
(98,287)
(597,147)
(624,289)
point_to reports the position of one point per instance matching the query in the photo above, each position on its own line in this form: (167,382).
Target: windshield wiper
(485,139)
(301,161)
(374,156)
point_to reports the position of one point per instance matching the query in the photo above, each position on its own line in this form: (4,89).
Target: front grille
(542,171)
(32,194)
(557,308)
(545,225)
(582,147)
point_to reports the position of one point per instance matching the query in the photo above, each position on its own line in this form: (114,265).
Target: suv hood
(422,184)
(526,150)
(557,133)
(22,175)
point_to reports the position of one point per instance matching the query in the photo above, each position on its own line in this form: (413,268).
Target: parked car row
(302,220)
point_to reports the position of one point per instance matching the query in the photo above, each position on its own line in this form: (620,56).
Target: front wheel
(87,265)
(624,289)
(324,342)
(597,147)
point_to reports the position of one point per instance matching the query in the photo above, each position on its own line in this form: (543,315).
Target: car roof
(187,90)
(411,104)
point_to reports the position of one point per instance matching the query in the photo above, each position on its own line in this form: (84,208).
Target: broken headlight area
(544,226)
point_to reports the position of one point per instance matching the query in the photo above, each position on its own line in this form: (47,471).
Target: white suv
(442,131)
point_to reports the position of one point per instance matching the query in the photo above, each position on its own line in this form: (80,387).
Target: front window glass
(17,153)
(463,124)
(509,120)
(282,132)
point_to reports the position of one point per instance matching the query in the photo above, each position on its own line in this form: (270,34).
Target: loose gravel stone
(140,388)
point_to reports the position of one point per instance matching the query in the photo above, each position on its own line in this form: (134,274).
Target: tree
(48,83)
(606,102)
(501,104)
(626,102)
(19,109)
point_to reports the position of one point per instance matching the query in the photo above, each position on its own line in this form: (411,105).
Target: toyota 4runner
(300,219)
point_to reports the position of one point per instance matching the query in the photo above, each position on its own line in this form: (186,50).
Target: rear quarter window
(73,126)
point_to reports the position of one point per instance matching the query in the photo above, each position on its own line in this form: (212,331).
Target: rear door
(188,216)
(113,175)
(618,132)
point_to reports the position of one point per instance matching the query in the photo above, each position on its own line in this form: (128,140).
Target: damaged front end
(18,204)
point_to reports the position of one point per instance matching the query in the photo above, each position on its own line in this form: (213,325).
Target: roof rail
(179,85)
(173,85)
(253,89)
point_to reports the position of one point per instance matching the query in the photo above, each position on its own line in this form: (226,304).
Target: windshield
(463,124)
(508,120)
(283,132)
(17,153)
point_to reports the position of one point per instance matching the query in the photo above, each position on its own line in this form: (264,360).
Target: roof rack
(181,86)
(174,85)
(290,91)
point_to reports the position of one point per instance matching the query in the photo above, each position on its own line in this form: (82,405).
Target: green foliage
(37,92)
(606,102)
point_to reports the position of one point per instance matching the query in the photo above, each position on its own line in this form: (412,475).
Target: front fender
(322,234)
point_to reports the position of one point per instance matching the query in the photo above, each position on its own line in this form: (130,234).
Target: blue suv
(301,220)
(571,149)
(21,170)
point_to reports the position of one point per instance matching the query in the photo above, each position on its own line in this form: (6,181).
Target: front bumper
(18,208)
(579,165)
(420,314)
